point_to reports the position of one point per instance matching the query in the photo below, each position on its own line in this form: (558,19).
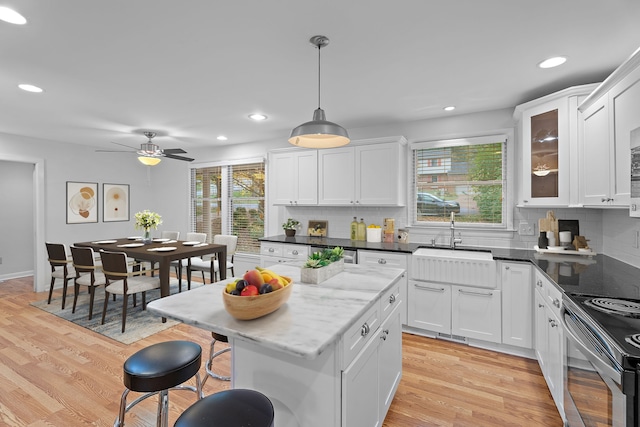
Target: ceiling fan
(151,154)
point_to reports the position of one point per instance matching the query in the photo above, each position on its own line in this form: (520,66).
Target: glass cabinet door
(544,168)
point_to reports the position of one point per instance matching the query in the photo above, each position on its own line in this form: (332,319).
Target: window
(229,199)
(462,176)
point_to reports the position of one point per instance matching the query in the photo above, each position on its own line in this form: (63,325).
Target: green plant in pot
(324,258)
(290,227)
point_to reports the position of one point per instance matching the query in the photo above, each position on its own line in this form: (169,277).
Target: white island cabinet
(331,356)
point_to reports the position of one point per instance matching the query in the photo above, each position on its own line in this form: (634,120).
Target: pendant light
(319,133)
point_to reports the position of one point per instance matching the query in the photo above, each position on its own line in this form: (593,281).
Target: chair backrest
(197,237)
(57,254)
(175,235)
(226,239)
(114,265)
(83,259)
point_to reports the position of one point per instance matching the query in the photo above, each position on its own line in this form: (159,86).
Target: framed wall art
(82,202)
(115,203)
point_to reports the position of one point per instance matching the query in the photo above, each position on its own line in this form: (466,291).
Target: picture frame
(115,202)
(82,202)
(318,228)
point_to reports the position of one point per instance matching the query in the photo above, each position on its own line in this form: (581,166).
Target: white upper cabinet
(293,177)
(548,146)
(609,116)
(370,173)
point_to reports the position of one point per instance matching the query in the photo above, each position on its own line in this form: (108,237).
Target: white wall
(16,218)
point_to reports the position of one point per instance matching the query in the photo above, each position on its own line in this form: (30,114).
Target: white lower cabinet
(549,337)
(517,304)
(274,253)
(475,313)
(371,378)
(455,310)
(393,260)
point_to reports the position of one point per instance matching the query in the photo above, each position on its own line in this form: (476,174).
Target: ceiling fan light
(149,161)
(319,133)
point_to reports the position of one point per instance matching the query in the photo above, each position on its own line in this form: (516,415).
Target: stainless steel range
(602,360)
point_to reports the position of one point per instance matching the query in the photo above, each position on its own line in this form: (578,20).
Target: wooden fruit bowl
(252,307)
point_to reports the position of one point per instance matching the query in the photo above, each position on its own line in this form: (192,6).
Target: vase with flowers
(146,220)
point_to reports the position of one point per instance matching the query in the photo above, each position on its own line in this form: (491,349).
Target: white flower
(146,220)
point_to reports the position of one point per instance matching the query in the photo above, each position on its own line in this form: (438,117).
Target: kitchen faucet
(453,240)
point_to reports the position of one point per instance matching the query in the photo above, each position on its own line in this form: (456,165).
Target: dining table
(162,251)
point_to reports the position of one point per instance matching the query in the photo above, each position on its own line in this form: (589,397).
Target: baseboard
(16,275)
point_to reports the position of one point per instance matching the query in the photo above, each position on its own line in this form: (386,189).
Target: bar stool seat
(229,408)
(156,370)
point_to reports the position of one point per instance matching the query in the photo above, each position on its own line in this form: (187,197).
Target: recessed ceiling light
(552,62)
(257,117)
(449,108)
(11,16)
(221,138)
(30,88)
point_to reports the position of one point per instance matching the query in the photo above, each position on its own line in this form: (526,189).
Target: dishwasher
(349,256)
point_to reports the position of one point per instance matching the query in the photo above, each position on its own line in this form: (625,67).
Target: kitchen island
(330,356)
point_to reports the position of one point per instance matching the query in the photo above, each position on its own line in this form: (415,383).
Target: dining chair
(185,262)
(87,274)
(61,268)
(173,235)
(210,263)
(121,281)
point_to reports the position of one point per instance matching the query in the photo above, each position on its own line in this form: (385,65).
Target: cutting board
(549,223)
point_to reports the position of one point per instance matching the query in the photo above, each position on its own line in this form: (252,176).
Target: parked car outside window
(428,204)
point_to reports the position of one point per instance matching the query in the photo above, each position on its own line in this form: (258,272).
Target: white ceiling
(192,70)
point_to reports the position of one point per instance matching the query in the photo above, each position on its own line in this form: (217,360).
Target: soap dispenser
(354,229)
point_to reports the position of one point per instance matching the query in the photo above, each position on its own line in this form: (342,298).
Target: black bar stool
(229,408)
(156,370)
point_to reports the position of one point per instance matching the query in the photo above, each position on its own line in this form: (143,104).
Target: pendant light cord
(319,47)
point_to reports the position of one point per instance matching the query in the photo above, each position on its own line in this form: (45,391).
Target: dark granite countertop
(590,275)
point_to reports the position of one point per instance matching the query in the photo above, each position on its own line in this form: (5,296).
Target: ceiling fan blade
(173,156)
(173,151)
(114,151)
(124,145)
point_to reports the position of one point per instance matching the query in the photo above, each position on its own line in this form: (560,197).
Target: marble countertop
(314,317)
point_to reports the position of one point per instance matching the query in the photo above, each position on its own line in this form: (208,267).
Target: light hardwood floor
(54,373)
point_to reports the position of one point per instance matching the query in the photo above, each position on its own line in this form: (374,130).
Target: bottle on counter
(362,230)
(354,229)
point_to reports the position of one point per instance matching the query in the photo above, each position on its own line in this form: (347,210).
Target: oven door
(593,393)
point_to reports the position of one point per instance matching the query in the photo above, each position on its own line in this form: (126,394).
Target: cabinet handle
(525,201)
(539,283)
(556,302)
(553,323)
(507,267)
(426,288)
(392,299)
(382,261)
(384,334)
(271,250)
(480,294)
(540,305)
(294,252)
(364,330)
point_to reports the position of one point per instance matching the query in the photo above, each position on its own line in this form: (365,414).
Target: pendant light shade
(319,133)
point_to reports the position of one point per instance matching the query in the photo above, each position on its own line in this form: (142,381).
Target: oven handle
(601,366)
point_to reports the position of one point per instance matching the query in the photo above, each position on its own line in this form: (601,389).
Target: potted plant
(322,265)
(290,227)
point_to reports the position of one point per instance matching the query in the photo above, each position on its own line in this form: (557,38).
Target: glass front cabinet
(548,149)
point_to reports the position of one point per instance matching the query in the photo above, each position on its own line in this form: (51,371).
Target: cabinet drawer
(380,258)
(357,336)
(390,300)
(271,249)
(552,295)
(295,251)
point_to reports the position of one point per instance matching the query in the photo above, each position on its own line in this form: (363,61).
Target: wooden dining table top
(159,251)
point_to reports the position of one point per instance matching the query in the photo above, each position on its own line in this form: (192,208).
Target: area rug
(140,324)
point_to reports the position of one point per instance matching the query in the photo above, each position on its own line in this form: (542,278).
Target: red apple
(249,290)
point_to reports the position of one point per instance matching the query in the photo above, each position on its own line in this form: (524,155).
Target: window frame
(506,137)
(225,197)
